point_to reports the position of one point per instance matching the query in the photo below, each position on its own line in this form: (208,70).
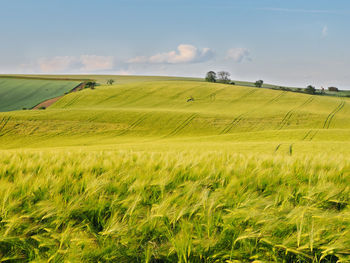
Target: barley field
(134,172)
(127,206)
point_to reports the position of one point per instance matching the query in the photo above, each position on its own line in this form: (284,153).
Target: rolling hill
(16,93)
(160,111)
(176,170)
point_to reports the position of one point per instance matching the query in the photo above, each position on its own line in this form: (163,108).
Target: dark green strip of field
(17,94)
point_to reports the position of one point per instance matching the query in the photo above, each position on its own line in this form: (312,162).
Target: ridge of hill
(161,110)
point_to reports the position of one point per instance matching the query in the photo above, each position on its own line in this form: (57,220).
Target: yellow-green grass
(16,94)
(158,114)
(135,173)
(180,206)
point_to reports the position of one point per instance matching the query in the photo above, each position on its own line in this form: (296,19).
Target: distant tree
(259,83)
(110,81)
(333,89)
(90,84)
(224,77)
(211,76)
(310,89)
(285,89)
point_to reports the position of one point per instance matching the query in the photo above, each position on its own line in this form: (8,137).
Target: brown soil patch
(79,87)
(49,102)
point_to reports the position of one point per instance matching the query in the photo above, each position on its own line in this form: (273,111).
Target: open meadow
(175,170)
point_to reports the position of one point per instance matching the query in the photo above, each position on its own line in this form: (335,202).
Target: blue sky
(284,42)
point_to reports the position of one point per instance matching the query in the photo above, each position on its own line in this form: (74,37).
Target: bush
(333,89)
(90,84)
(42,108)
(259,83)
(310,89)
(285,89)
(110,81)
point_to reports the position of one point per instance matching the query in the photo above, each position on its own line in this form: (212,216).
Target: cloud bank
(96,63)
(238,54)
(159,63)
(84,63)
(56,64)
(183,54)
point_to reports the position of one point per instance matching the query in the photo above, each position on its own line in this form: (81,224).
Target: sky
(292,43)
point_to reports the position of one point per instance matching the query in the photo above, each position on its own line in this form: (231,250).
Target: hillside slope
(160,110)
(16,94)
(136,172)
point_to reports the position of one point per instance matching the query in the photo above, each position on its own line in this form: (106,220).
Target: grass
(127,206)
(153,112)
(134,173)
(16,94)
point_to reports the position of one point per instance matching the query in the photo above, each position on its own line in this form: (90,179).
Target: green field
(135,172)
(102,79)
(158,114)
(16,94)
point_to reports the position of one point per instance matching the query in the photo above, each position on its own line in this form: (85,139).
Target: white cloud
(183,54)
(93,62)
(124,72)
(238,54)
(141,59)
(84,63)
(325,31)
(56,64)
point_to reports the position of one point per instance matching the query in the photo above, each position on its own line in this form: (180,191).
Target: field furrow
(290,113)
(182,125)
(134,124)
(330,117)
(3,124)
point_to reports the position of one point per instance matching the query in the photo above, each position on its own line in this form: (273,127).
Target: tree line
(224,77)
(221,77)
